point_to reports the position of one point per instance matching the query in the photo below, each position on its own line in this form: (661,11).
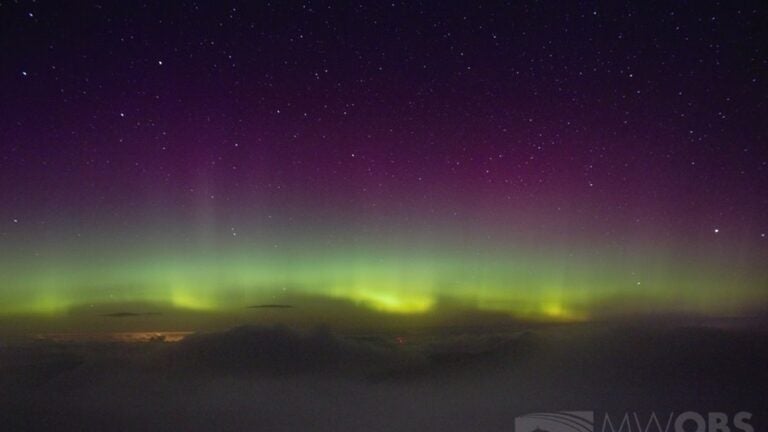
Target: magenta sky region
(546,162)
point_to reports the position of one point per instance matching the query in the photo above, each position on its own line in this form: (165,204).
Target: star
(717,230)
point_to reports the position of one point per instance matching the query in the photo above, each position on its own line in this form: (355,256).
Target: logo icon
(562,421)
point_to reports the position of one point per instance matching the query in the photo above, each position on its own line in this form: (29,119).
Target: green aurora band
(394,277)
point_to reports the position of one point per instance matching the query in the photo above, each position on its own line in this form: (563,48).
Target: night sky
(561,161)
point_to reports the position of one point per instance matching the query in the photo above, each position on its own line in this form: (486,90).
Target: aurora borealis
(547,162)
(385,275)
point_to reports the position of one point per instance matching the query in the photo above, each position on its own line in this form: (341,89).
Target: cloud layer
(276,378)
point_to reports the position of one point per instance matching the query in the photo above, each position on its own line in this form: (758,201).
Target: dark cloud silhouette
(280,350)
(129,314)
